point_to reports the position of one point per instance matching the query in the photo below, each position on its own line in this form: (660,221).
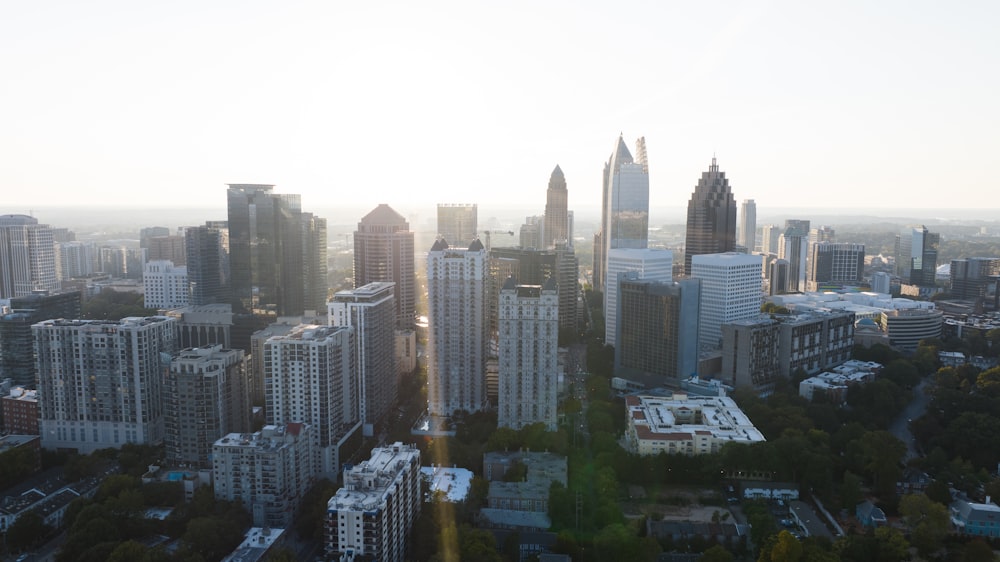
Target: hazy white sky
(867,104)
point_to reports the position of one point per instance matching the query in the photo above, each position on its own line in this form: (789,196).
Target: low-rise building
(371,516)
(686,425)
(19,411)
(834,383)
(523,504)
(257,545)
(976,519)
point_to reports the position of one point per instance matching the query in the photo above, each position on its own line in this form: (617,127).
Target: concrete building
(269,472)
(17,351)
(711,217)
(457,223)
(201,325)
(624,207)
(27,257)
(164,285)
(777,276)
(657,339)
(531,235)
(310,376)
(528,357)
(906,328)
(731,289)
(651,264)
(371,516)
(458,328)
(556,212)
(835,263)
(770,236)
(371,311)
(523,504)
(101,382)
(881,282)
(751,354)
(685,425)
(383,252)
(748,226)
(206,396)
(833,384)
(76,259)
(19,412)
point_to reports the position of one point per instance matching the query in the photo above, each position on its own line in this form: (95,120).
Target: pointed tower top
(714,167)
(557,172)
(621,153)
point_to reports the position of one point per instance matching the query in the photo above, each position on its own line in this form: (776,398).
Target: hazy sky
(867,104)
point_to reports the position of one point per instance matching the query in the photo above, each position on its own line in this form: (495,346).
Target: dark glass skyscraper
(207,265)
(711,217)
(17,355)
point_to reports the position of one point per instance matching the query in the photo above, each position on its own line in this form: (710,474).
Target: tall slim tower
(371,311)
(27,256)
(711,217)
(529,357)
(457,223)
(458,328)
(556,214)
(748,225)
(793,247)
(625,212)
(207,265)
(383,252)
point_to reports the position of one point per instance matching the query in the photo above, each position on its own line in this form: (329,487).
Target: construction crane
(488,232)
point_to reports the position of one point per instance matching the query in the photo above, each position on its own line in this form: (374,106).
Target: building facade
(457,328)
(711,217)
(207,260)
(101,382)
(457,223)
(371,516)
(748,226)
(556,212)
(793,247)
(17,351)
(27,257)
(19,412)
(971,276)
(383,252)
(652,264)
(164,285)
(371,311)
(528,355)
(206,397)
(916,255)
(731,289)
(836,263)
(625,205)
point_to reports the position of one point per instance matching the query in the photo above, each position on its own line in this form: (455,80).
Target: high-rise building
(657,340)
(371,311)
(457,223)
(167,248)
(383,252)
(121,261)
(556,213)
(101,382)
(371,516)
(206,397)
(458,328)
(533,267)
(207,324)
(531,235)
(793,247)
(916,255)
(310,376)
(770,234)
(27,257)
(652,264)
(881,282)
(77,259)
(838,263)
(711,217)
(777,276)
(529,355)
(17,351)
(822,234)
(625,208)
(277,253)
(748,225)
(164,285)
(268,472)
(730,290)
(145,234)
(207,264)
(971,276)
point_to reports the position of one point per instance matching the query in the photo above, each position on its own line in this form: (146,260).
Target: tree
(892,545)
(785,548)
(927,521)
(977,551)
(850,491)
(26,531)
(883,453)
(716,554)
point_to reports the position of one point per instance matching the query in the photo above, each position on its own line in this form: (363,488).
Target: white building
(529,355)
(27,257)
(650,264)
(834,383)
(373,513)
(268,471)
(101,382)
(76,259)
(881,282)
(310,376)
(165,285)
(748,225)
(371,311)
(695,425)
(731,289)
(457,328)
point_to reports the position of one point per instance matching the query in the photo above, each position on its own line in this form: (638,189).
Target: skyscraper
(971,276)
(457,223)
(458,328)
(310,376)
(770,234)
(164,285)
(652,264)
(27,256)
(625,210)
(529,357)
(748,225)
(556,214)
(383,252)
(711,217)
(101,382)
(371,311)
(839,263)
(793,247)
(916,255)
(207,265)
(17,353)
(730,290)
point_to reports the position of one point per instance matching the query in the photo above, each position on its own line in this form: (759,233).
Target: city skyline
(888,101)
